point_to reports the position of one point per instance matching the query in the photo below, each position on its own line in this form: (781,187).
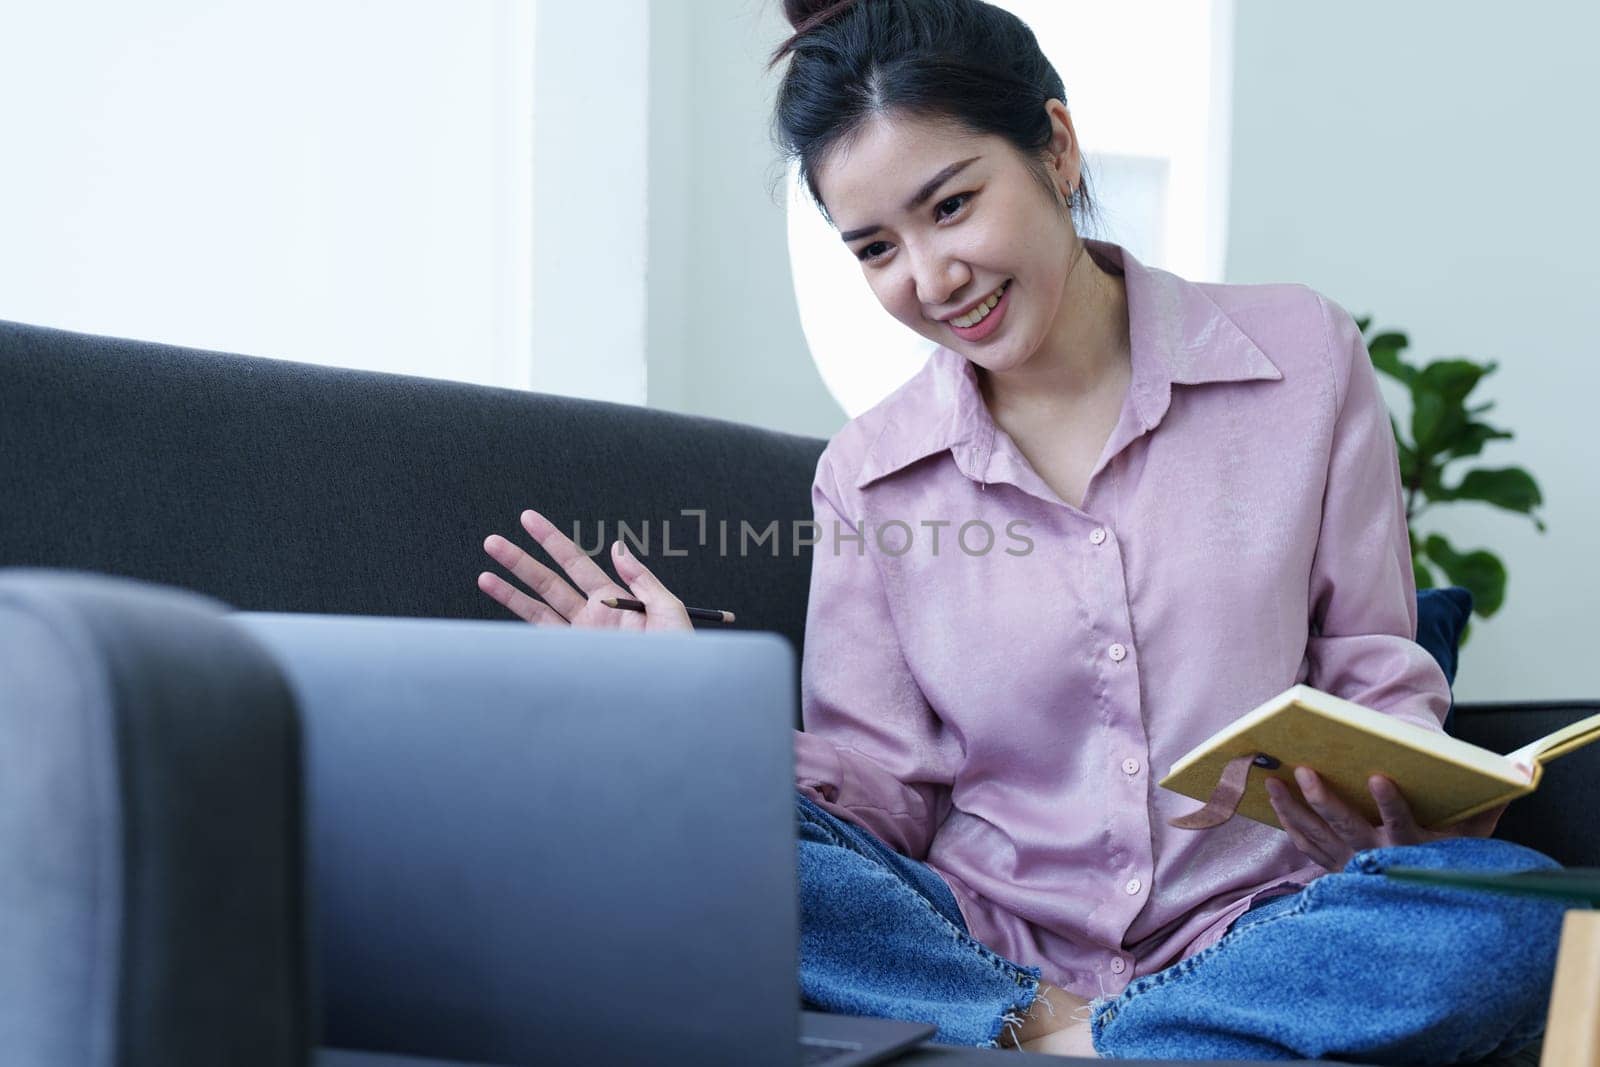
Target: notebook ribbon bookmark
(1224,798)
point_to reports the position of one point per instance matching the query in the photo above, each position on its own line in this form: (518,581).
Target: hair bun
(807,15)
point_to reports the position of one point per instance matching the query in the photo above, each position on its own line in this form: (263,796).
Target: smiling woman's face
(986,223)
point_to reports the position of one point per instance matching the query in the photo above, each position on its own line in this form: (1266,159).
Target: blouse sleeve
(872,752)
(1363,590)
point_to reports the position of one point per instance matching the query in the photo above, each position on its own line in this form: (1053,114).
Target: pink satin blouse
(994,680)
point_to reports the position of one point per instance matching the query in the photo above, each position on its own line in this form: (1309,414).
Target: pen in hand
(704,614)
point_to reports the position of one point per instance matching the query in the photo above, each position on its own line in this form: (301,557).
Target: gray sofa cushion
(151,884)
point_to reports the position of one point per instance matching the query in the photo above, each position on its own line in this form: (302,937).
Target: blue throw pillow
(1441,614)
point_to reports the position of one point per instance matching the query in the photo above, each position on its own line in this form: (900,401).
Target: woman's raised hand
(561,604)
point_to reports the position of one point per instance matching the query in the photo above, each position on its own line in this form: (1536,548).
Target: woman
(1109,515)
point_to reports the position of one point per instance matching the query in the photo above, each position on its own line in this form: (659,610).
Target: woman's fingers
(663,611)
(1399,824)
(1300,823)
(584,572)
(1330,831)
(550,586)
(561,603)
(519,603)
(1344,823)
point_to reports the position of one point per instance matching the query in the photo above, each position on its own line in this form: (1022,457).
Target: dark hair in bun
(962,61)
(807,15)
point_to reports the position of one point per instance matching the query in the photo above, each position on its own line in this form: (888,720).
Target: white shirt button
(1118,653)
(1097,535)
(1131,766)
(1118,964)
(1133,886)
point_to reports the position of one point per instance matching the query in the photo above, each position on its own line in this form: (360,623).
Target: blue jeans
(1354,966)
(881,935)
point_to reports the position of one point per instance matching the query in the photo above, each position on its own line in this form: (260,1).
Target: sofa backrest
(282,486)
(1558,819)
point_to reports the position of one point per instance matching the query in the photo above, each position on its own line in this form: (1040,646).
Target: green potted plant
(1443,430)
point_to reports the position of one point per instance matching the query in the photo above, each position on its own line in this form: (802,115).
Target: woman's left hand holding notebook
(558,603)
(1329,831)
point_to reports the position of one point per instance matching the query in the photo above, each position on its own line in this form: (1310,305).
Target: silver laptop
(538,845)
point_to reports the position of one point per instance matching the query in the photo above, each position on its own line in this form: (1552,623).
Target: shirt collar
(1178,336)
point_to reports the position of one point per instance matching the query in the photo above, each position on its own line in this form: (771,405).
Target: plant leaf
(1385,352)
(1432,482)
(1472,438)
(1423,573)
(1438,395)
(1408,457)
(1511,488)
(1479,571)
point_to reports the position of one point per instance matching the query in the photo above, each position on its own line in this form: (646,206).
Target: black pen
(706,614)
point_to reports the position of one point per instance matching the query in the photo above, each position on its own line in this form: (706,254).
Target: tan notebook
(1445,779)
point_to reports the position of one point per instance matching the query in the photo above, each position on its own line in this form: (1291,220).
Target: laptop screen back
(533,844)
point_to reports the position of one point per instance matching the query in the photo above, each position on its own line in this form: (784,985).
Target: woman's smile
(982,323)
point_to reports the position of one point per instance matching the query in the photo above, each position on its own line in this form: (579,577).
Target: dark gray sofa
(278,486)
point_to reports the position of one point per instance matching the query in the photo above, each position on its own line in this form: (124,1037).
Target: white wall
(725,338)
(1425,163)
(336,182)
(591,172)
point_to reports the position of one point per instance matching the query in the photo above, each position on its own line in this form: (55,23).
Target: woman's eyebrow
(927,190)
